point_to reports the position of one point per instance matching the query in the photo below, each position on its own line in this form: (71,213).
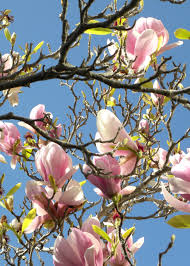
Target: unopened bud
(10,201)
(13,39)
(3,219)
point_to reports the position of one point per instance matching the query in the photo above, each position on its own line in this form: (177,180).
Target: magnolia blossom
(10,141)
(44,123)
(38,112)
(12,94)
(83,247)
(48,210)
(147,37)
(118,258)
(110,129)
(52,160)
(180,183)
(80,249)
(107,186)
(182,168)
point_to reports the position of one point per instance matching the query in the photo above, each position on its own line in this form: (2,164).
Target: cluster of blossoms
(58,195)
(146,40)
(84,247)
(112,137)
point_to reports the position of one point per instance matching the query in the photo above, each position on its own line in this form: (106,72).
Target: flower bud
(10,202)
(13,39)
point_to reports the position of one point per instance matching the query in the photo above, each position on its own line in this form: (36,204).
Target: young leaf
(180,221)
(98,31)
(111,102)
(2,179)
(28,219)
(7,34)
(148,85)
(82,183)
(182,34)
(101,233)
(52,182)
(128,232)
(38,46)
(13,190)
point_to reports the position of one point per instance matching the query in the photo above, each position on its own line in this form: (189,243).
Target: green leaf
(134,138)
(182,34)
(26,152)
(13,190)
(141,3)
(52,182)
(38,46)
(82,183)
(2,179)
(128,232)
(111,102)
(7,34)
(101,233)
(180,221)
(148,85)
(98,31)
(28,219)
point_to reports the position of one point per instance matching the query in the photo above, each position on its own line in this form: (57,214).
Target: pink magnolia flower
(39,113)
(179,186)
(10,141)
(110,128)
(80,249)
(182,169)
(108,186)
(144,126)
(118,258)
(52,160)
(148,37)
(48,210)
(12,94)
(180,183)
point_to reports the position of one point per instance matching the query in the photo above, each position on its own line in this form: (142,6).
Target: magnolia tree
(130,93)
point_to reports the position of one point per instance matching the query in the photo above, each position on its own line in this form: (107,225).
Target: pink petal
(146,44)
(169,46)
(36,223)
(137,245)
(127,190)
(73,196)
(175,203)
(182,170)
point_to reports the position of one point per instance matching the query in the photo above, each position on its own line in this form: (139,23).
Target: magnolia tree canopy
(84,174)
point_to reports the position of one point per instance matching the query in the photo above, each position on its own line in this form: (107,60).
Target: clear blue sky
(39,20)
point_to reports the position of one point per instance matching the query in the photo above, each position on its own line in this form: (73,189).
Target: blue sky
(39,20)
